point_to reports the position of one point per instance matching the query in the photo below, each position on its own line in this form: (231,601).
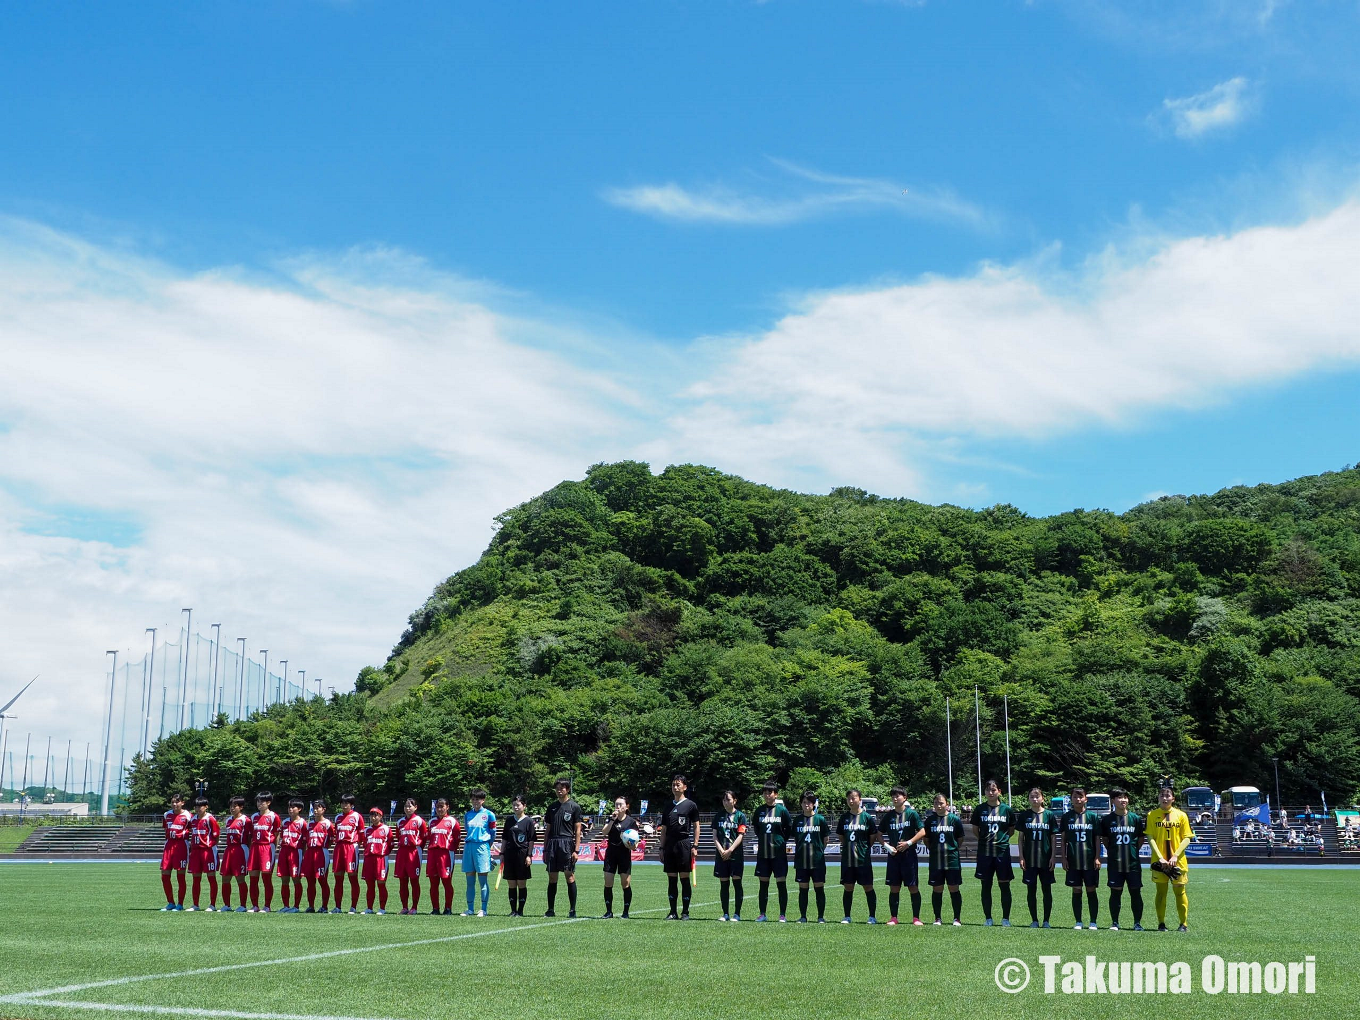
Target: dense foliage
(628,626)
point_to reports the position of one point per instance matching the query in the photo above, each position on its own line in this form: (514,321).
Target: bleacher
(69,839)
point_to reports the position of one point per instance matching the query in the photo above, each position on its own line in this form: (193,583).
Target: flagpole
(1006,708)
(977,718)
(949,750)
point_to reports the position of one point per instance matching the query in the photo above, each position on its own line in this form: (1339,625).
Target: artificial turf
(66,924)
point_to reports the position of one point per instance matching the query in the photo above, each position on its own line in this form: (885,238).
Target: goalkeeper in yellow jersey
(1169,833)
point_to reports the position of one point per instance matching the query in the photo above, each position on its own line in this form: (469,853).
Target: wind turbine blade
(19,695)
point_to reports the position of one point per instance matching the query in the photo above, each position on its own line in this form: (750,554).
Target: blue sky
(299,295)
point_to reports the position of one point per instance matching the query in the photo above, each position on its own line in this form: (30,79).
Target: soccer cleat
(1114,927)
(249,910)
(1161,927)
(310,910)
(987,923)
(168,906)
(369,910)
(353,910)
(210,909)
(624,915)
(1137,927)
(958,923)
(1005,922)
(724,918)
(672,916)
(821,920)
(1047,925)
(1077,926)
(1182,928)
(736,917)
(761,917)
(801,920)
(468,913)
(917,922)
(191,907)
(448,912)
(938,922)
(1034,924)
(266,909)
(381,910)
(873,920)
(549,912)
(336,910)
(242,909)
(570,913)
(685,916)
(1092,926)
(892,920)
(845,920)
(482,913)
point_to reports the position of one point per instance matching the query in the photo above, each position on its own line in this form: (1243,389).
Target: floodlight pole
(146,691)
(184,687)
(108,736)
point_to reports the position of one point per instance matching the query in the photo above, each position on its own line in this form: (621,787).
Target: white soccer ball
(630,837)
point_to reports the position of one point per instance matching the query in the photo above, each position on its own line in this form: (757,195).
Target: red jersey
(443,834)
(206,832)
(238,831)
(412,833)
(321,834)
(378,841)
(349,828)
(177,825)
(293,833)
(264,828)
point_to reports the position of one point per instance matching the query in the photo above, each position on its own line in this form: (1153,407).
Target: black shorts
(517,868)
(1118,879)
(998,866)
(678,858)
(817,875)
(618,861)
(903,867)
(857,874)
(557,856)
(772,867)
(1044,876)
(1089,877)
(946,876)
(733,867)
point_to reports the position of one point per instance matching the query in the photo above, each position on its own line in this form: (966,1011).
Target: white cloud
(867,386)
(304,457)
(801,194)
(1216,109)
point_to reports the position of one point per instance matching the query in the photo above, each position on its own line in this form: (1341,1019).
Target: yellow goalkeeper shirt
(1169,833)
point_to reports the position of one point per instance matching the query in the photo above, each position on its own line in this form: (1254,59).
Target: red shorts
(290,863)
(175,856)
(234,865)
(202,860)
(408,862)
(314,864)
(261,856)
(346,860)
(438,863)
(375,868)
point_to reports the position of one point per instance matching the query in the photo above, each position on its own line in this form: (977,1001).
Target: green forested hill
(629,625)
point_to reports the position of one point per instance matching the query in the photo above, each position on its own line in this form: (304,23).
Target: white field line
(39,997)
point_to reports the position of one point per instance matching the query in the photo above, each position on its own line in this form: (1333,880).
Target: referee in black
(562,843)
(679,836)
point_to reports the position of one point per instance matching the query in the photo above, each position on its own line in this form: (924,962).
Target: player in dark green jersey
(900,830)
(1080,829)
(810,834)
(944,836)
(858,831)
(774,828)
(729,842)
(1036,828)
(993,822)
(1122,833)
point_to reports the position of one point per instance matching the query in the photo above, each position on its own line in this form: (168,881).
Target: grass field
(98,927)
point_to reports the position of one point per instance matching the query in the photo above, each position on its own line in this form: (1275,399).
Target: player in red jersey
(175,856)
(349,833)
(292,836)
(238,846)
(441,844)
(320,838)
(412,833)
(264,830)
(203,852)
(378,843)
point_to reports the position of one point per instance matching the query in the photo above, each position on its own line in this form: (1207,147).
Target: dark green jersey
(899,827)
(1036,830)
(857,836)
(809,846)
(726,828)
(993,826)
(774,828)
(944,835)
(1081,839)
(1122,837)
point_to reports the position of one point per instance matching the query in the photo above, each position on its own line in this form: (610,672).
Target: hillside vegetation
(631,625)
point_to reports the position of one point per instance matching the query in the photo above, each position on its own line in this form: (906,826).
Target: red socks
(165,884)
(268,890)
(182,885)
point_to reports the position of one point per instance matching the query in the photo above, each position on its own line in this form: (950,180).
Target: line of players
(296,848)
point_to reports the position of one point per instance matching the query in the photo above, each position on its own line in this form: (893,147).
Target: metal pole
(241,689)
(217,655)
(264,679)
(150,679)
(66,780)
(977,718)
(184,688)
(303,673)
(1279,804)
(949,750)
(85,783)
(1006,707)
(28,745)
(47,768)
(283,683)
(4,746)
(318,687)
(108,736)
